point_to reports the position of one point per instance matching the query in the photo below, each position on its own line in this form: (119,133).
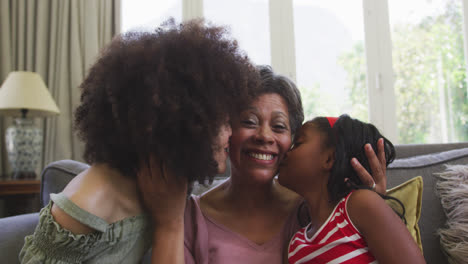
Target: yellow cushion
(410,194)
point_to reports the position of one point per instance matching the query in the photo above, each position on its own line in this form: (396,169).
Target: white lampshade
(26,90)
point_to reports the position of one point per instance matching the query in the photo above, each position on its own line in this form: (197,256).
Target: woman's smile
(261,136)
(262,157)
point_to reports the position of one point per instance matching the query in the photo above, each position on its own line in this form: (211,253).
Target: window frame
(378,48)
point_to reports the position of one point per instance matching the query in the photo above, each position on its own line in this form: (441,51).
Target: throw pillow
(452,188)
(410,194)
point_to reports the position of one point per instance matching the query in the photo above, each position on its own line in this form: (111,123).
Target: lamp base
(24,148)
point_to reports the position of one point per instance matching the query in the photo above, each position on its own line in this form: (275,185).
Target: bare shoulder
(364,199)
(366,207)
(102,194)
(69,223)
(92,193)
(77,193)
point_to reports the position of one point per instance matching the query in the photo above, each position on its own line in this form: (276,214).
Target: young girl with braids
(349,223)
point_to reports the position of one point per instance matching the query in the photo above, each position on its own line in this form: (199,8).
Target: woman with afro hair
(153,104)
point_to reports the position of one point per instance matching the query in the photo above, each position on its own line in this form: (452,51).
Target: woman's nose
(264,135)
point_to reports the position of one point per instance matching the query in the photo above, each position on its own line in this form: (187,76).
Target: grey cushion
(432,215)
(12,232)
(57,175)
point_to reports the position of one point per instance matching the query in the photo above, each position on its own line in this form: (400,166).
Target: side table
(21,196)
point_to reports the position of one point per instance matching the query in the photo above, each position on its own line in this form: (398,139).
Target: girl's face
(222,145)
(261,137)
(306,160)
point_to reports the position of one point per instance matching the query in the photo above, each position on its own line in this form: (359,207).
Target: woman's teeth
(261,156)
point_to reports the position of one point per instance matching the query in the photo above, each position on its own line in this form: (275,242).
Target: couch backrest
(411,150)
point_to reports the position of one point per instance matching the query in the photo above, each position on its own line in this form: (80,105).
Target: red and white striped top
(337,241)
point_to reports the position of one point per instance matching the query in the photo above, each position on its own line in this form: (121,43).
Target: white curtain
(59,39)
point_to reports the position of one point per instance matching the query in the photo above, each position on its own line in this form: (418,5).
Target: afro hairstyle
(163,93)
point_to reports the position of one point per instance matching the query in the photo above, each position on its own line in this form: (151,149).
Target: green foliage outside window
(430,78)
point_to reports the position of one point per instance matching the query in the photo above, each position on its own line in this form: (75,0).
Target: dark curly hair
(164,93)
(283,86)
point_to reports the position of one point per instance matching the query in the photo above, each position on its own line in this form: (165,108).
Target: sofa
(412,160)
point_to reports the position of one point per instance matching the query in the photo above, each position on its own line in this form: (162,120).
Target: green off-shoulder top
(125,241)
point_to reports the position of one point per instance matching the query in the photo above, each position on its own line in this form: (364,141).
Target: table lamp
(24,95)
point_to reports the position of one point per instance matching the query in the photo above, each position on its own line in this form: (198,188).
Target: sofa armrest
(12,232)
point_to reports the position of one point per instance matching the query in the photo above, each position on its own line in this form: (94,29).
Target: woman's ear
(329,158)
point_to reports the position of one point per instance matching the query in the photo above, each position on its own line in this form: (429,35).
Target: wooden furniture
(20,196)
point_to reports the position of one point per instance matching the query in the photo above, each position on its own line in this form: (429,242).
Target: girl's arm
(164,196)
(385,233)
(378,166)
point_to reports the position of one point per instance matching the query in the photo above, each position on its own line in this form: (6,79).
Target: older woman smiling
(250,217)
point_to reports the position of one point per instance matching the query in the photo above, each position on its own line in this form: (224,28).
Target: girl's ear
(329,158)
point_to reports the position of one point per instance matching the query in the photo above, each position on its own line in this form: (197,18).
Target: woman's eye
(248,122)
(280,127)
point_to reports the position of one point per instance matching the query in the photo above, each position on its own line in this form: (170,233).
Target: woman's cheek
(285,145)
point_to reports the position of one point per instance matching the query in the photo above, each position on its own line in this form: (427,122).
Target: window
(330,57)
(429,67)
(398,64)
(249,24)
(148,14)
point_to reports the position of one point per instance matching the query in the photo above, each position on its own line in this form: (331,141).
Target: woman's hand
(164,196)
(163,193)
(378,166)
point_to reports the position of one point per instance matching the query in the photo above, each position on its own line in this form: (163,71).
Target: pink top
(209,242)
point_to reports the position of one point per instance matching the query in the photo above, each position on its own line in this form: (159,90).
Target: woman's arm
(168,243)
(164,196)
(68,222)
(378,166)
(385,233)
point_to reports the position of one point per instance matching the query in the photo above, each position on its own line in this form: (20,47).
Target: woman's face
(261,136)
(222,145)
(304,161)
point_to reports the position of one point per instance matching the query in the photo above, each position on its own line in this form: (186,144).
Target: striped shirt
(337,241)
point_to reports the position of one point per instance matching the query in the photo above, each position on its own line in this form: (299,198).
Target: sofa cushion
(432,215)
(410,194)
(13,229)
